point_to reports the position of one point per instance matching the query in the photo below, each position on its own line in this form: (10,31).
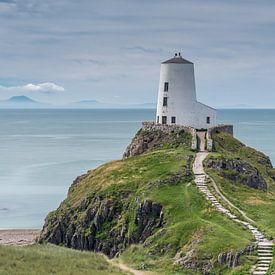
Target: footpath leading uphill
(264,246)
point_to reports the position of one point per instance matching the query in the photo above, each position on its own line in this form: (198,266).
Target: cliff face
(237,171)
(102,227)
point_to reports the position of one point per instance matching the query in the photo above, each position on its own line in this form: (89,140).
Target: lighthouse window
(173,119)
(166,84)
(208,120)
(158,119)
(165,101)
(164,120)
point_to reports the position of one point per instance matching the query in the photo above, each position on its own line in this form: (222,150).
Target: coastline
(18,237)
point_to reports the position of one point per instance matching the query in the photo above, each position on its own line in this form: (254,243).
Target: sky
(110,51)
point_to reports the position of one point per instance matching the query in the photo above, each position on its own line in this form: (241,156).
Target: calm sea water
(42,151)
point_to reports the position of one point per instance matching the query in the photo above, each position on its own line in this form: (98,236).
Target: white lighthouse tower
(177,102)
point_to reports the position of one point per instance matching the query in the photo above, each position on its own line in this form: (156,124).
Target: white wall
(181,96)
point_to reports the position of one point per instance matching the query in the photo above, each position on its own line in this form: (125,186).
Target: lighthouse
(177,100)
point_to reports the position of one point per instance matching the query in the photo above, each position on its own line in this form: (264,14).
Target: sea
(43,151)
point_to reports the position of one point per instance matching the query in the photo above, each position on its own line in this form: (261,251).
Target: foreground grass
(50,259)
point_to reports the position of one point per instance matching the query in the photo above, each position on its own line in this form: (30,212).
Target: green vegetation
(192,227)
(106,211)
(258,205)
(49,259)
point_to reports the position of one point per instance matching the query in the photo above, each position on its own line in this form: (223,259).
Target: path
(201,140)
(264,247)
(126,268)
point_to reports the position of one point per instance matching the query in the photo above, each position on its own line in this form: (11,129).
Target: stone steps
(264,247)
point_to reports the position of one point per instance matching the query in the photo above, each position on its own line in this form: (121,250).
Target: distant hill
(22,102)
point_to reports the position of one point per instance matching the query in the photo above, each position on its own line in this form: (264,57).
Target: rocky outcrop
(189,260)
(98,225)
(232,259)
(153,135)
(237,171)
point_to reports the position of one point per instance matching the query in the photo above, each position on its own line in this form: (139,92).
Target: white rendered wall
(181,96)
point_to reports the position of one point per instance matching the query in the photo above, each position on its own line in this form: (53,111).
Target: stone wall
(225,128)
(153,135)
(152,126)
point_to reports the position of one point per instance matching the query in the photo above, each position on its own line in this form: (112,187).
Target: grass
(258,205)
(189,219)
(191,224)
(49,259)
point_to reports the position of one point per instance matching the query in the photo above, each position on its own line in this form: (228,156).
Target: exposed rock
(100,227)
(232,259)
(189,260)
(156,136)
(237,170)
(149,216)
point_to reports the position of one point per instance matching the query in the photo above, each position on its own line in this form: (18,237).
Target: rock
(153,135)
(237,170)
(149,216)
(99,227)
(232,259)
(189,260)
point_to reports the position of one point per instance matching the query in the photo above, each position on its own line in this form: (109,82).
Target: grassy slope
(49,259)
(188,216)
(259,205)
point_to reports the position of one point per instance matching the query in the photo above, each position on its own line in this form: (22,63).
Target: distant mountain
(22,102)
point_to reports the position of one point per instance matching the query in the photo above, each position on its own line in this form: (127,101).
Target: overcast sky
(110,51)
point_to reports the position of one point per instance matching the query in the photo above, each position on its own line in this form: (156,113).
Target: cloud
(47,87)
(43,87)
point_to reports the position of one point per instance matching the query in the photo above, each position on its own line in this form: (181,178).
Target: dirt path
(201,140)
(124,267)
